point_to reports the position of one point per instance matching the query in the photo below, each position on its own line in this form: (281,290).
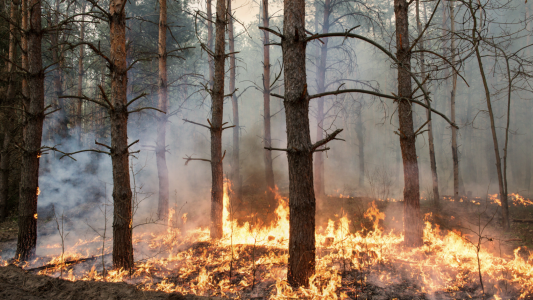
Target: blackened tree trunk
(122,201)
(412,220)
(8,115)
(321,78)
(33,131)
(267,139)
(235,164)
(302,203)
(160,148)
(217,105)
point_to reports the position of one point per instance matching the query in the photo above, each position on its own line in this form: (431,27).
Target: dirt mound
(15,283)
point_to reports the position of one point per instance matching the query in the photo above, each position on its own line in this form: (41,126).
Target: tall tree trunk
(432,160)
(80,75)
(57,56)
(235,165)
(412,221)
(302,203)
(321,78)
(359,130)
(122,201)
(269,170)
(455,154)
(503,194)
(210,41)
(160,149)
(29,182)
(8,116)
(217,106)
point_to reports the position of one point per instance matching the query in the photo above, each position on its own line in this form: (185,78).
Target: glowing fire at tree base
(250,261)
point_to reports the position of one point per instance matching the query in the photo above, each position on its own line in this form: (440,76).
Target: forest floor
(16,284)
(465,217)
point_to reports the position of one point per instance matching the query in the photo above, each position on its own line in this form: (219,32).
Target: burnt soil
(16,283)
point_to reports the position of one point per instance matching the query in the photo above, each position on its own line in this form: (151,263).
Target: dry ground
(465,217)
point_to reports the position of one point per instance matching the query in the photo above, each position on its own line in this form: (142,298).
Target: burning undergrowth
(356,259)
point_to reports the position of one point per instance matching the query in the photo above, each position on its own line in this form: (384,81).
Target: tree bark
(122,214)
(235,164)
(217,106)
(210,41)
(359,131)
(33,131)
(302,203)
(8,117)
(160,149)
(80,75)
(432,160)
(267,140)
(321,78)
(503,194)
(57,56)
(412,220)
(455,154)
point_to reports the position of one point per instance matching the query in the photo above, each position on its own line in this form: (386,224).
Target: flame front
(347,260)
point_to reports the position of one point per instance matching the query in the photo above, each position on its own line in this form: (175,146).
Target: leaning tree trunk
(8,115)
(412,221)
(33,131)
(302,203)
(455,154)
(122,201)
(235,165)
(503,194)
(160,148)
(321,78)
(269,170)
(432,160)
(217,105)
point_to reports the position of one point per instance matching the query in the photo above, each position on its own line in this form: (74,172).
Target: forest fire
(250,261)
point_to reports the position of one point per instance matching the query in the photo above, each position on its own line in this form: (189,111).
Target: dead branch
(189,158)
(136,98)
(272,31)
(69,262)
(197,124)
(83,97)
(523,221)
(326,140)
(100,144)
(143,108)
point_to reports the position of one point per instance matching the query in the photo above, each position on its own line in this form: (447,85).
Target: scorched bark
(217,105)
(160,149)
(412,221)
(302,203)
(33,131)
(122,214)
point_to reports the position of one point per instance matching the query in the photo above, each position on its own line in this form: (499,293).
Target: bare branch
(189,158)
(197,124)
(326,140)
(271,31)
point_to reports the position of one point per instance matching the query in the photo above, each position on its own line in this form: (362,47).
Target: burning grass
(356,259)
